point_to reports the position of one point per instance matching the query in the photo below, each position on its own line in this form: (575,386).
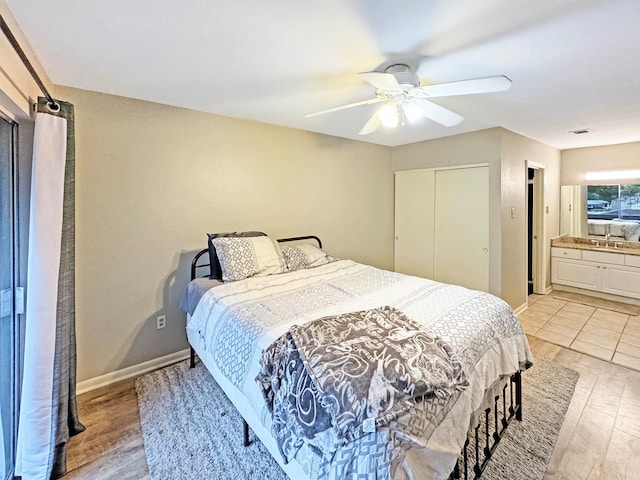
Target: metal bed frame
(489,430)
(482,440)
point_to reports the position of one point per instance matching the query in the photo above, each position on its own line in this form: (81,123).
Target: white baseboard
(520,309)
(132,371)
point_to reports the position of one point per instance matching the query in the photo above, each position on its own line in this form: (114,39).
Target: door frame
(12,324)
(539,226)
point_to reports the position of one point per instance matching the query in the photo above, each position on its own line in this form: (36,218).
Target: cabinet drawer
(632,260)
(603,257)
(565,253)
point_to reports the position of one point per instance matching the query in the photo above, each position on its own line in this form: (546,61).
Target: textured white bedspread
(234,322)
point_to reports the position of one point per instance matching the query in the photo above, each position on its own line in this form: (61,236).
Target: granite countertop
(580,243)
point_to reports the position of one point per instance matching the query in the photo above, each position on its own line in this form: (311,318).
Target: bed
(232,323)
(625,230)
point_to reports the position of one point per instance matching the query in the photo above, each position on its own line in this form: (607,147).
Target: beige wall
(517,153)
(151,180)
(507,155)
(578,161)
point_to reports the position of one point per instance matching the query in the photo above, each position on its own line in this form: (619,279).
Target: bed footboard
(483,439)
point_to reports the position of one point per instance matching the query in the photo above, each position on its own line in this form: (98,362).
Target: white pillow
(305,256)
(244,257)
(631,232)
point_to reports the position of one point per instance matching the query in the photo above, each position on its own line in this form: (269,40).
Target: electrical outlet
(161,321)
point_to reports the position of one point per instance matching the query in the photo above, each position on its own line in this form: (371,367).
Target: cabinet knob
(485,250)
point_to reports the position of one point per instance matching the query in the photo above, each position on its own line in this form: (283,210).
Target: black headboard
(212,269)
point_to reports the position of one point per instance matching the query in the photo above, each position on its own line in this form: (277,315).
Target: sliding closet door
(7,310)
(414,203)
(462,227)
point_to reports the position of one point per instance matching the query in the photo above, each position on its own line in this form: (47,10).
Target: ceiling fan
(404,99)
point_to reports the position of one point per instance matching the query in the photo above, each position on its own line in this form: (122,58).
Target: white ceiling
(574,63)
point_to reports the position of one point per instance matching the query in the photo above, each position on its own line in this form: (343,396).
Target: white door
(414,197)
(461,248)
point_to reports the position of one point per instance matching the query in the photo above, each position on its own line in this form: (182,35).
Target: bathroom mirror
(598,211)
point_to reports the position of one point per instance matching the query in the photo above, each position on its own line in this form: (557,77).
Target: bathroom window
(608,202)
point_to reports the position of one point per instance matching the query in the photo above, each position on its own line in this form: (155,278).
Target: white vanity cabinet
(621,280)
(575,273)
(606,272)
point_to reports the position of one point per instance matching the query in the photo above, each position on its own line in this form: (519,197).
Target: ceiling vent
(580,131)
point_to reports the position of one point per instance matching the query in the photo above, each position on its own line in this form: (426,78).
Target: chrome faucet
(606,240)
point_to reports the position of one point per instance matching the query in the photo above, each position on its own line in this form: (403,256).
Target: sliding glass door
(8,324)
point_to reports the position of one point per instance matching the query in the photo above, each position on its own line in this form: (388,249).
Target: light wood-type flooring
(599,440)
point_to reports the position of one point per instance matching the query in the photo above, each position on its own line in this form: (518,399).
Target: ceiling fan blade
(382,81)
(438,114)
(343,107)
(467,87)
(372,124)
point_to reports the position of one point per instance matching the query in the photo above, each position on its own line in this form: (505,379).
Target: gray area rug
(192,431)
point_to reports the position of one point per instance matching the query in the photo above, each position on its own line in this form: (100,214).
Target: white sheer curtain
(35,444)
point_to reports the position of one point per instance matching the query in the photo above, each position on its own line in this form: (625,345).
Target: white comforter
(234,322)
(629,230)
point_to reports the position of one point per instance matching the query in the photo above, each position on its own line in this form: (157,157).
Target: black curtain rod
(16,46)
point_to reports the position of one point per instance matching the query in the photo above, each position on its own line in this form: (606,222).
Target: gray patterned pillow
(244,257)
(304,256)
(631,232)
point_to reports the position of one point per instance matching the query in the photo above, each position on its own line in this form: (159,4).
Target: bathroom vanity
(599,268)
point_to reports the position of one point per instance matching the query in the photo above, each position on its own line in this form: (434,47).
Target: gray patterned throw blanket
(336,379)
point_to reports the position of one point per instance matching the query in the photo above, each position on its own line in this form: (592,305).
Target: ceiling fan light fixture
(389,115)
(404,101)
(411,111)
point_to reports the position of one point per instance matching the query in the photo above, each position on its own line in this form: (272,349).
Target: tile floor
(601,333)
